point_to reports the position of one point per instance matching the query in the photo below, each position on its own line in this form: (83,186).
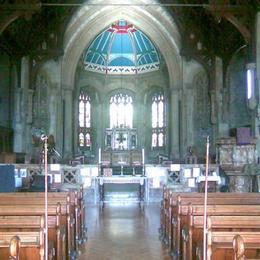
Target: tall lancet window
(158,120)
(121,111)
(84,133)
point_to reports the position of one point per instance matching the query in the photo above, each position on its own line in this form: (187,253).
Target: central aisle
(123,233)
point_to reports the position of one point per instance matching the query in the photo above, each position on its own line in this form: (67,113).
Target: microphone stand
(45,141)
(205,254)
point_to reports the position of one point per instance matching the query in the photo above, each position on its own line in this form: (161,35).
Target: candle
(143,156)
(99,155)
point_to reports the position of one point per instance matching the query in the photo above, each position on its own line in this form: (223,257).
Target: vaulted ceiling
(208,27)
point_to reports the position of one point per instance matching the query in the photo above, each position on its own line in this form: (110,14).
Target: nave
(123,232)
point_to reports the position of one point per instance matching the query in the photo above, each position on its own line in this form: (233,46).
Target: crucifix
(121,140)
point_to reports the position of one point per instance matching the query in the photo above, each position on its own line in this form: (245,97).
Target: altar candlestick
(99,155)
(143,156)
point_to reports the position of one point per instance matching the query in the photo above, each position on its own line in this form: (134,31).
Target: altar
(124,188)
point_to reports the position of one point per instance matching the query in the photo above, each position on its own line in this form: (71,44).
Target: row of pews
(233,225)
(22,225)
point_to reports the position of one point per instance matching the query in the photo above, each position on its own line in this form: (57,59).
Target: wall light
(250,85)
(250,80)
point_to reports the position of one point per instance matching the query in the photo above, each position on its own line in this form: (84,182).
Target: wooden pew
(170,199)
(14,248)
(56,232)
(215,207)
(73,200)
(220,243)
(31,245)
(193,232)
(239,248)
(68,208)
(54,216)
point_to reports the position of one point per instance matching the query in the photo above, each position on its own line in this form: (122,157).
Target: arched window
(121,111)
(84,132)
(158,120)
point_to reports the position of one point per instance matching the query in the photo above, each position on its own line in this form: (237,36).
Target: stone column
(53,107)
(18,115)
(29,117)
(223,128)
(217,100)
(175,124)
(21,131)
(189,117)
(68,123)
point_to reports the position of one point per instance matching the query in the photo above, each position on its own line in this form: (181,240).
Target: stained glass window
(84,133)
(158,120)
(121,111)
(121,49)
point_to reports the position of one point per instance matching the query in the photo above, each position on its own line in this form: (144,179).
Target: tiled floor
(123,232)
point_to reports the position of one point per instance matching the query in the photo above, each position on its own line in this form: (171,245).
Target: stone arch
(154,21)
(89,21)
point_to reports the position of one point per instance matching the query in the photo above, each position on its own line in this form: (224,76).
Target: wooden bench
(73,201)
(220,243)
(239,248)
(56,232)
(176,219)
(54,219)
(171,199)
(193,232)
(68,207)
(31,245)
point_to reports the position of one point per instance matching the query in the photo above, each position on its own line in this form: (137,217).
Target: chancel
(150,111)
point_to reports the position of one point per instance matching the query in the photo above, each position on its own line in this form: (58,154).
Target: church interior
(129,129)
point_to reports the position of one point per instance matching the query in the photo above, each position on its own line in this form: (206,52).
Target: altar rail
(69,174)
(73,176)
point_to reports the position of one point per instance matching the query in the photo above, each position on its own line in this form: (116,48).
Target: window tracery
(158,120)
(121,111)
(84,133)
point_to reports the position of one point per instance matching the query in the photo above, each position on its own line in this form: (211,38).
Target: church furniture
(56,231)
(141,181)
(177,205)
(192,233)
(233,154)
(14,248)
(32,245)
(220,243)
(74,202)
(56,215)
(171,198)
(180,213)
(239,248)
(70,201)
(31,217)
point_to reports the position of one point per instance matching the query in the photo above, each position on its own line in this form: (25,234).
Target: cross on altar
(121,138)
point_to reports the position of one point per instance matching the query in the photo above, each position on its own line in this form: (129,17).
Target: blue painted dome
(121,49)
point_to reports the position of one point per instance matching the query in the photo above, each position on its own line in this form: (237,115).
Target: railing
(69,174)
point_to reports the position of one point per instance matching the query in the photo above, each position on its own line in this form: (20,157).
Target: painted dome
(121,49)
